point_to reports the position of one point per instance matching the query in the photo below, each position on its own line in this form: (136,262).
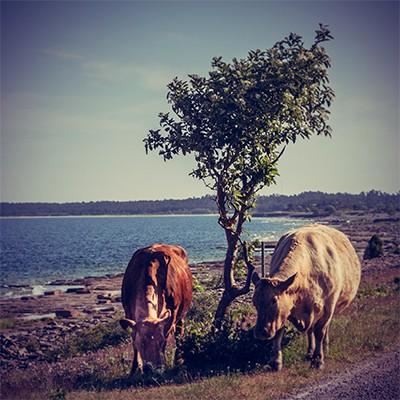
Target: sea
(37,250)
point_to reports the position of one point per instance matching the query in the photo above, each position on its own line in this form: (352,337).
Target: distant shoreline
(102,216)
(306,205)
(277,214)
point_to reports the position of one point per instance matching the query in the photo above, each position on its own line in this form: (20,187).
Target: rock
(83,291)
(52,292)
(18,286)
(66,313)
(26,298)
(103,301)
(104,288)
(58,282)
(73,290)
(107,309)
(106,296)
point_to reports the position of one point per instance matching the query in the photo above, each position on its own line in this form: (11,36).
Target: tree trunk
(231,292)
(229,281)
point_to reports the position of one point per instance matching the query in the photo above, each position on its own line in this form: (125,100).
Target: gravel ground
(370,380)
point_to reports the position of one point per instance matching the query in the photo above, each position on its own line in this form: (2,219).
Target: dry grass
(371,325)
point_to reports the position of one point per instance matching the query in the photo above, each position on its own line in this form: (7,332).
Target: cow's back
(174,279)
(325,261)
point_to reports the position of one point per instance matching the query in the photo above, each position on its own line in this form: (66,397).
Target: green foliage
(227,349)
(236,120)
(98,337)
(368,290)
(197,286)
(33,344)
(240,267)
(7,323)
(374,248)
(209,351)
(58,394)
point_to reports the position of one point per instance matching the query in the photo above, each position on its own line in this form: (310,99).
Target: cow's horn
(165,315)
(127,323)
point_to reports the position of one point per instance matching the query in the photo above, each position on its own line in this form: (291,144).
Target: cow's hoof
(308,356)
(317,363)
(276,366)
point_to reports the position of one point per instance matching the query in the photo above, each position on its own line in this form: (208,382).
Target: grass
(371,325)
(93,339)
(7,323)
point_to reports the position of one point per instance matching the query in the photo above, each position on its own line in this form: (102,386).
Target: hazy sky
(83,82)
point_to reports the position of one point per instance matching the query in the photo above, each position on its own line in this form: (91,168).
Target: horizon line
(188,198)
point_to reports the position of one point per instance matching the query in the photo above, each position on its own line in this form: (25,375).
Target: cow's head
(273,305)
(149,339)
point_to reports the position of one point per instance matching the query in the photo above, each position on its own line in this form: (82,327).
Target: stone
(104,288)
(52,292)
(73,290)
(26,298)
(66,313)
(83,291)
(105,296)
(107,309)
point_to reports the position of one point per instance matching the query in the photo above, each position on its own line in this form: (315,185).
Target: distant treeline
(315,203)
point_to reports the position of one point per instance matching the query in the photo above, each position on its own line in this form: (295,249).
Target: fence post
(262,260)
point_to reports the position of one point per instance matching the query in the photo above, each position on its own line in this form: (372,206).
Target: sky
(82,82)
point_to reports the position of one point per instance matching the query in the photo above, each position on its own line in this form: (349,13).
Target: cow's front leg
(310,345)
(326,341)
(276,360)
(135,362)
(320,332)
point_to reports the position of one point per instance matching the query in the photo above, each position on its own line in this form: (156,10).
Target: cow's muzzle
(263,334)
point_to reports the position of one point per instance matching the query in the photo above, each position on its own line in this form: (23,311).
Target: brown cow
(156,295)
(314,272)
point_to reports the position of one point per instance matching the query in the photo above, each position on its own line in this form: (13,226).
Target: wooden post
(262,260)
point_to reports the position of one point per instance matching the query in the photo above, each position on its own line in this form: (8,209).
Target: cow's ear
(165,315)
(284,285)
(127,324)
(255,278)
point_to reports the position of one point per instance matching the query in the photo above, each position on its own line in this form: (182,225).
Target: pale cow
(314,272)
(156,295)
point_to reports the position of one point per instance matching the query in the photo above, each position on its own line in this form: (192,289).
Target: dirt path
(370,380)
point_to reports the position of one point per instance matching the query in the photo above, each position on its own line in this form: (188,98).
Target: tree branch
(279,156)
(250,269)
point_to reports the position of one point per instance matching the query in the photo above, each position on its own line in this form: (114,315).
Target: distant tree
(238,120)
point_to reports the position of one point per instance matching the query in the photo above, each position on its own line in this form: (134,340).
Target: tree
(237,123)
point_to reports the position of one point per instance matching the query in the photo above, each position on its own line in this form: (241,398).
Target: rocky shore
(34,326)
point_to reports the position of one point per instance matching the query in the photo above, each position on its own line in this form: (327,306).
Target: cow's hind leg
(310,344)
(178,339)
(276,360)
(320,332)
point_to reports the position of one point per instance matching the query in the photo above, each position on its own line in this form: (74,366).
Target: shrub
(98,337)
(207,351)
(374,248)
